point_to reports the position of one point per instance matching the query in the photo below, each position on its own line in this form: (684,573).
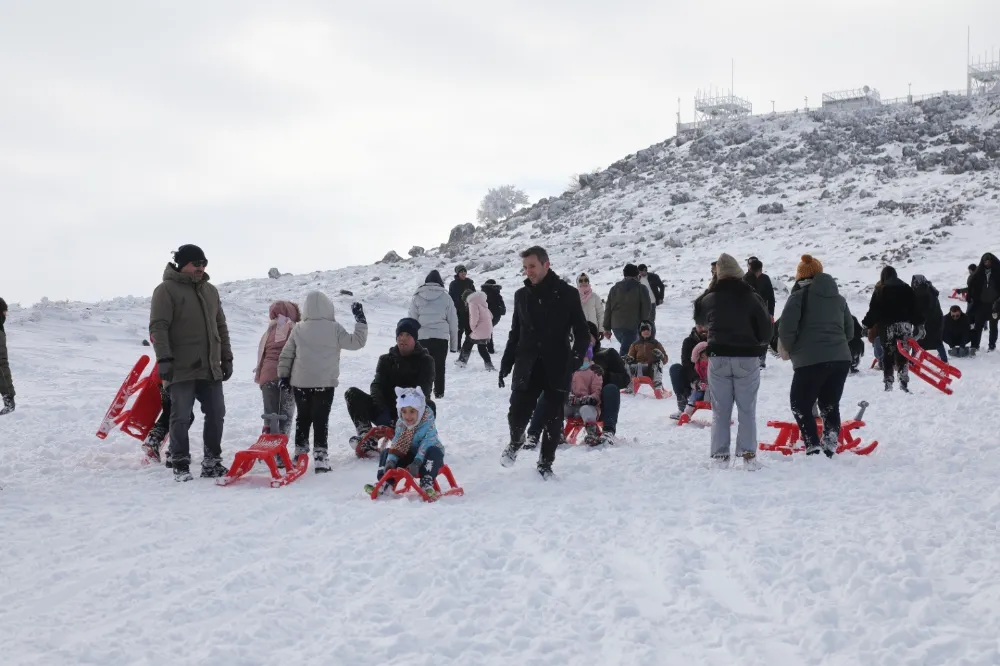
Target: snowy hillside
(635,555)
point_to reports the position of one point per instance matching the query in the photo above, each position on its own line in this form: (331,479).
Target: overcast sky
(315,135)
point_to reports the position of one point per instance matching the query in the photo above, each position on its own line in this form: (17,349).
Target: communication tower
(984,77)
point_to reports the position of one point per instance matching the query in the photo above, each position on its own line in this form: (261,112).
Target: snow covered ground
(635,555)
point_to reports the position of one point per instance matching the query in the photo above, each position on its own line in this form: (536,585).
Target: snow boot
(212,469)
(321,463)
(530,442)
(168,460)
(593,437)
(427,485)
(8,405)
(152,450)
(720,461)
(182,472)
(676,415)
(509,455)
(750,462)
(607,438)
(545,470)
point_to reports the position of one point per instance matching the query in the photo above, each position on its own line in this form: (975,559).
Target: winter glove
(227,370)
(414,468)
(285,383)
(503,375)
(573,401)
(359,313)
(589,400)
(166,369)
(658,355)
(629,360)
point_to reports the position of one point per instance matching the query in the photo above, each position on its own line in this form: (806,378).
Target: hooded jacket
(494,300)
(480,317)
(822,332)
(283,315)
(628,305)
(687,349)
(6,381)
(984,285)
(311,356)
(187,325)
(422,436)
(930,308)
(643,350)
(433,308)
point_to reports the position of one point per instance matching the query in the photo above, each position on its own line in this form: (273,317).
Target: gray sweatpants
(734,379)
(275,403)
(586,413)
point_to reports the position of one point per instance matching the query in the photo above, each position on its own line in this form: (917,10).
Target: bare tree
(500,203)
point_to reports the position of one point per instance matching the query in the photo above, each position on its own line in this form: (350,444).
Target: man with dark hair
(547,311)
(955,332)
(406,365)
(494,301)
(653,281)
(191,339)
(6,381)
(761,283)
(984,290)
(629,304)
(460,284)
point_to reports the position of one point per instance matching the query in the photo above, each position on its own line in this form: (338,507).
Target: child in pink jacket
(283,315)
(585,398)
(699,356)
(480,327)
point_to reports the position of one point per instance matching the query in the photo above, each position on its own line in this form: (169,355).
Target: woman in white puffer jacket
(593,305)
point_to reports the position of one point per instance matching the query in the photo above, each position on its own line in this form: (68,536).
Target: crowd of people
(554,357)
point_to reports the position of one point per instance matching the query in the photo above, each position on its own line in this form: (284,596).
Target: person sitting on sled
(646,357)
(699,387)
(416,444)
(584,399)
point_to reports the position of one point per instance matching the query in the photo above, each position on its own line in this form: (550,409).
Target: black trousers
(467,346)
(463,322)
(312,407)
(982,315)
(213,406)
(522,405)
(438,349)
(823,382)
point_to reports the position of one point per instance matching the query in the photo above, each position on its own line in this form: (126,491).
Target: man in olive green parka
(191,340)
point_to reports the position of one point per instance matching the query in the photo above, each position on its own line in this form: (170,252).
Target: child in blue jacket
(416,444)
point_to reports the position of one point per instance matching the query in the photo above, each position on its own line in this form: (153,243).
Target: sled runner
(928,367)
(700,404)
(383,434)
(574,426)
(957,295)
(660,393)
(397,474)
(788,438)
(139,418)
(268,447)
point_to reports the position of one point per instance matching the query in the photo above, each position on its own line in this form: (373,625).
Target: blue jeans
(611,402)
(626,336)
(877,348)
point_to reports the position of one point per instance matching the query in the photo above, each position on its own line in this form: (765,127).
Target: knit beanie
(631,270)
(808,267)
(434,278)
(408,325)
(726,268)
(460,269)
(185,254)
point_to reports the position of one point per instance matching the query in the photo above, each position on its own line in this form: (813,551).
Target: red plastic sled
(139,418)
(789,436)
(266,448)
(383,434)
(957,295)
(574,426)
(928,367)
(700,404)
(397,474)
(660,393)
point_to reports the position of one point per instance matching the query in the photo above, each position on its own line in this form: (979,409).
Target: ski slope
(634,555)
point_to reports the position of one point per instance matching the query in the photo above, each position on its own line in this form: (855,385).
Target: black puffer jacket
(737,319)
(395,370)
(955,332)
(494,301)
(687,348)
(892,303)
(545,315)
(612,365)
(983,288)
(930,309)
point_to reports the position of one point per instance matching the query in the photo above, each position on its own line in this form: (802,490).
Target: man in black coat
(955,331)
(984,290)
(655,283)
(459,285)
(406,365)
(494,301)
(930,307)
(761,282)
(546,312)
(683,374)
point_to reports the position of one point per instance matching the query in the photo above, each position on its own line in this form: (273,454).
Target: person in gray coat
(814,331)
(629,304)
(739,328)
(433,308)
(309,364)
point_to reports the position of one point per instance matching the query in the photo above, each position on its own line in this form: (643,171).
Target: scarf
(402,444)
(282,328)
(585,292)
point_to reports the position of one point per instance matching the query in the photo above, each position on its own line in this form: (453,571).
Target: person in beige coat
(309,366)
(193,354)
(593,305)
